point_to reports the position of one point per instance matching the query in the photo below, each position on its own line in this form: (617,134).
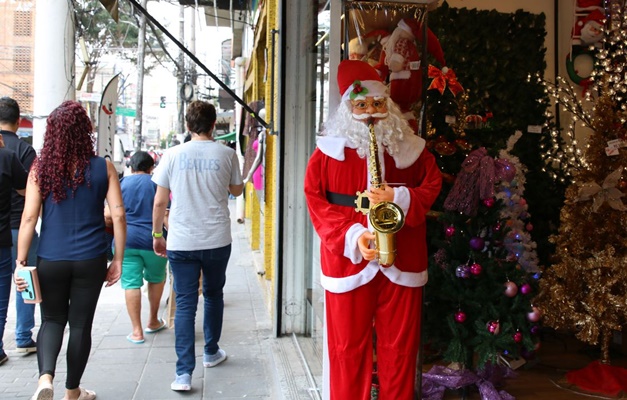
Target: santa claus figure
(589,5)
(589,30)
(400,62)
(358,290)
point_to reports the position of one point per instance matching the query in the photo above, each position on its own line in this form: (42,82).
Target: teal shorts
(139,265)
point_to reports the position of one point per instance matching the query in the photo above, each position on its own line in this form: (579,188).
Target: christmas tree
(479,295)
(585,291)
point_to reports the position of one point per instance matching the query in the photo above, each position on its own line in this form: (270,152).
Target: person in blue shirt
(140,261)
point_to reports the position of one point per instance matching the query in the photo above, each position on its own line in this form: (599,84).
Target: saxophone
(386,217)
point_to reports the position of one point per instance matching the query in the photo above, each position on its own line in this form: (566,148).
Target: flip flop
(161,327)
(134,341)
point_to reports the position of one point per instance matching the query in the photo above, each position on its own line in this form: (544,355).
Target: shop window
(22,23)
(21,59)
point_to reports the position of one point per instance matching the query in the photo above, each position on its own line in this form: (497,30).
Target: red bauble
(460,317)
(475,269)
(525,288)
(494,327)
(450,231)
(511,289)
(529,226)
(476,243)
(489,202)
(518,337)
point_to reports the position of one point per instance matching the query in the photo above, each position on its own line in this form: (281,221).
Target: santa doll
(359,290)
(588,31)
(401,63)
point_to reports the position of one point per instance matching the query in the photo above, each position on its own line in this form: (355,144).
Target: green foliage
(493,54)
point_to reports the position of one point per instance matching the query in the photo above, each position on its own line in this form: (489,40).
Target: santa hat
(433,44)
(595,17)
(589,5)
(357,46)
(358,80)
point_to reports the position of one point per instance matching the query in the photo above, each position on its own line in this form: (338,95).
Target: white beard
(389,131)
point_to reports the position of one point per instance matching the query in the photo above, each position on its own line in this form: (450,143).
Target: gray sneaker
(182,383)
(212,360)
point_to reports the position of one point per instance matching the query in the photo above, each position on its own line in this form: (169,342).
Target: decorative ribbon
(476,181)
(439,378)
(600,194)
(442,80)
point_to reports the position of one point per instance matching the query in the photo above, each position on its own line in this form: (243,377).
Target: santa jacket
(335,167)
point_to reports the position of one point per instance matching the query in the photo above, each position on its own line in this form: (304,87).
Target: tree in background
(585,291)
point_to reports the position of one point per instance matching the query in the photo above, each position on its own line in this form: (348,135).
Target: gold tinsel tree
(585,291)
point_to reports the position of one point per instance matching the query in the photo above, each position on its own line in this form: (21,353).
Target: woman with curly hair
(70,184)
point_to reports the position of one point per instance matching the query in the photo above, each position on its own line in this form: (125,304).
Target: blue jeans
(186,267)
(6,272)
(25,313)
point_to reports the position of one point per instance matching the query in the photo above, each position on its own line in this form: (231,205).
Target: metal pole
(139,102)
(180,76)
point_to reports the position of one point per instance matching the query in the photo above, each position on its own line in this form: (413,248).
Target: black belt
(347,200)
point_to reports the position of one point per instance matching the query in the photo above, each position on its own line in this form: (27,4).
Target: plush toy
(589,5)
(400,62)
(357,49)
(589,29)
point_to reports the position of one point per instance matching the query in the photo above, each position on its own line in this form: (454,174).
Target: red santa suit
(400,62)
(359,292)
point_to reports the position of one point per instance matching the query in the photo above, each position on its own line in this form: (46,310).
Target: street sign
(125,112)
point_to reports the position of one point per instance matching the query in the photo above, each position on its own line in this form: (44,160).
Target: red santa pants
(395,311)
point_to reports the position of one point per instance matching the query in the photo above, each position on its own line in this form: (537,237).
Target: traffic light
(162,104)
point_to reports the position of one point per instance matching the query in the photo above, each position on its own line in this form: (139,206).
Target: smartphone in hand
(29,292)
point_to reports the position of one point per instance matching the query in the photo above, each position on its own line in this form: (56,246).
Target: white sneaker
(209,361)
(182,383)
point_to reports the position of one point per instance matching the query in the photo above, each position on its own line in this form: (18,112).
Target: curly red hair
(68,146)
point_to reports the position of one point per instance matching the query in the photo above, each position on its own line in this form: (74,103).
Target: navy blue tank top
(74,229)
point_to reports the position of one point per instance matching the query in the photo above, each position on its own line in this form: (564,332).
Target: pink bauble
(489,202)
(497,227)
(536,347)
(475,269)
(522,202)
(450,231)
(460,316)
(534,315)
(525,288)
(518,337)
(494,327)
(476,243)
(510,289)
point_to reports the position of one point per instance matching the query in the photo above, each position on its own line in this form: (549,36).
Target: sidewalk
(258,366)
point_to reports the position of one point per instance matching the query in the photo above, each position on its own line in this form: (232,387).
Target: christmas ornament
(529,226)
(525,288)
(475,269)
(510,289)
(460,317)
(450,231)
(497,227)
(477,243)
(494,327)
(534,315)
(462,271)
(489,202)
(518,337)
(535,329)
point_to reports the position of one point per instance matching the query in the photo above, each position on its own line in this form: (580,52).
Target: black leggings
(69,292)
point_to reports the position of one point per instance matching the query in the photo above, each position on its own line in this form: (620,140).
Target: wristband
(157,234)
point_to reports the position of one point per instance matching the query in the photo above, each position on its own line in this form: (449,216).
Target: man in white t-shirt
(199,175)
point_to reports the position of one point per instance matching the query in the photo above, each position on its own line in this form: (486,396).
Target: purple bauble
(518,337)
(534,330)
(525,288)
(460,317)
(476,243)
(475,269)
(462,271)
(534,315)
(494,327)
(450,231)
(510,289)
(489,202)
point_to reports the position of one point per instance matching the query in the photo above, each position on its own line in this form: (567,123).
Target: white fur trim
(402,198)
(409,152)
(405,74)
(332,146)
(409,115)
(395,275)
(403,25)
(351,249)
(375,89)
